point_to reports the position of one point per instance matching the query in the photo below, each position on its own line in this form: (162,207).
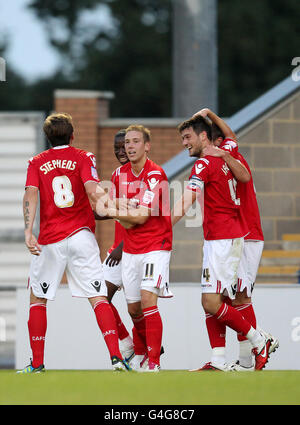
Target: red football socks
(216,331)
(233,318)
(122,331)
(247,312)
(154,329)
(107,323)
(139,335)
(37,327)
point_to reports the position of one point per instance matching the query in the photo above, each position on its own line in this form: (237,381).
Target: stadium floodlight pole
(2,69)
(195,69)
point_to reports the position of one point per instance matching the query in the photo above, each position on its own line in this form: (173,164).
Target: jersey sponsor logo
(57,163)
(153,183)
(148,197)
(96,284)
(45,287)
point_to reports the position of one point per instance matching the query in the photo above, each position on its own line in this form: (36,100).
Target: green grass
(164,388)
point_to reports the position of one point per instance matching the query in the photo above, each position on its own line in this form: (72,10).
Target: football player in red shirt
(112,265)
(147,240)
(224,232)
(224,138)
(65,177)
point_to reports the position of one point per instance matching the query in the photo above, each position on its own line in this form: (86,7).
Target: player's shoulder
(42,156)
(203,162)
(117,172)
(123,168)
(83,155)
(154,169)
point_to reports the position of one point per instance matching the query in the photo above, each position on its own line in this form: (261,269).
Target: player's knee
(135,310)
(111,290)
(210,303)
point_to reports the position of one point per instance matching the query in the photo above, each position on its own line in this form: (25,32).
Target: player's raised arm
(30,202)
(227,131)
(183,205)
(239,171)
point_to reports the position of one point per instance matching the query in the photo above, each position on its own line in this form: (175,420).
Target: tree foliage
(131,53)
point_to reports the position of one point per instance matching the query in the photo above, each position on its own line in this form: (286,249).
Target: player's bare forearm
(30,202)
(133,216)
(182,206)
(238,169)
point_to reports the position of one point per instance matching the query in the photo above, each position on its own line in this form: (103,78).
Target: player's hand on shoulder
(213,151)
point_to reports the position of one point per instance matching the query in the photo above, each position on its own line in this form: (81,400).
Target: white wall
(74,341)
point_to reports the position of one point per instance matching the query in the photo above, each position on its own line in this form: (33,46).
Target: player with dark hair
(65,178)
(225,139)
(224,232)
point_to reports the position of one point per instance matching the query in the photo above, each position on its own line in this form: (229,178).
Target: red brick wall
(165,144)
(90,136)
(85,118)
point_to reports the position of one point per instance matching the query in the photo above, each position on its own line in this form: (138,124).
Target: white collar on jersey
(140,171)
(61,147)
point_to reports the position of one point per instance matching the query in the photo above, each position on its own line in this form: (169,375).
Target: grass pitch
(165,388)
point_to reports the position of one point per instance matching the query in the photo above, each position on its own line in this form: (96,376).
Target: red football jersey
(60,174)
(149,189)
(247,194)
(221,206)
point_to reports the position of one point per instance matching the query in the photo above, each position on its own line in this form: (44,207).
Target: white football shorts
(113,274)
(79,256)
(149,271)
(221,259)
(249,264)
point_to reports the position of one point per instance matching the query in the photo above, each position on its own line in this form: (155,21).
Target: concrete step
(14,264)
(14,254)
(277,274)
(280,257)
(291,241)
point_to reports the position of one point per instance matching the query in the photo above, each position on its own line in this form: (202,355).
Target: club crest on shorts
(45,287)
(96,284)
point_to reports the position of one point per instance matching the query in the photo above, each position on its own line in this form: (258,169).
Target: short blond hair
(145,131)
(58,128)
